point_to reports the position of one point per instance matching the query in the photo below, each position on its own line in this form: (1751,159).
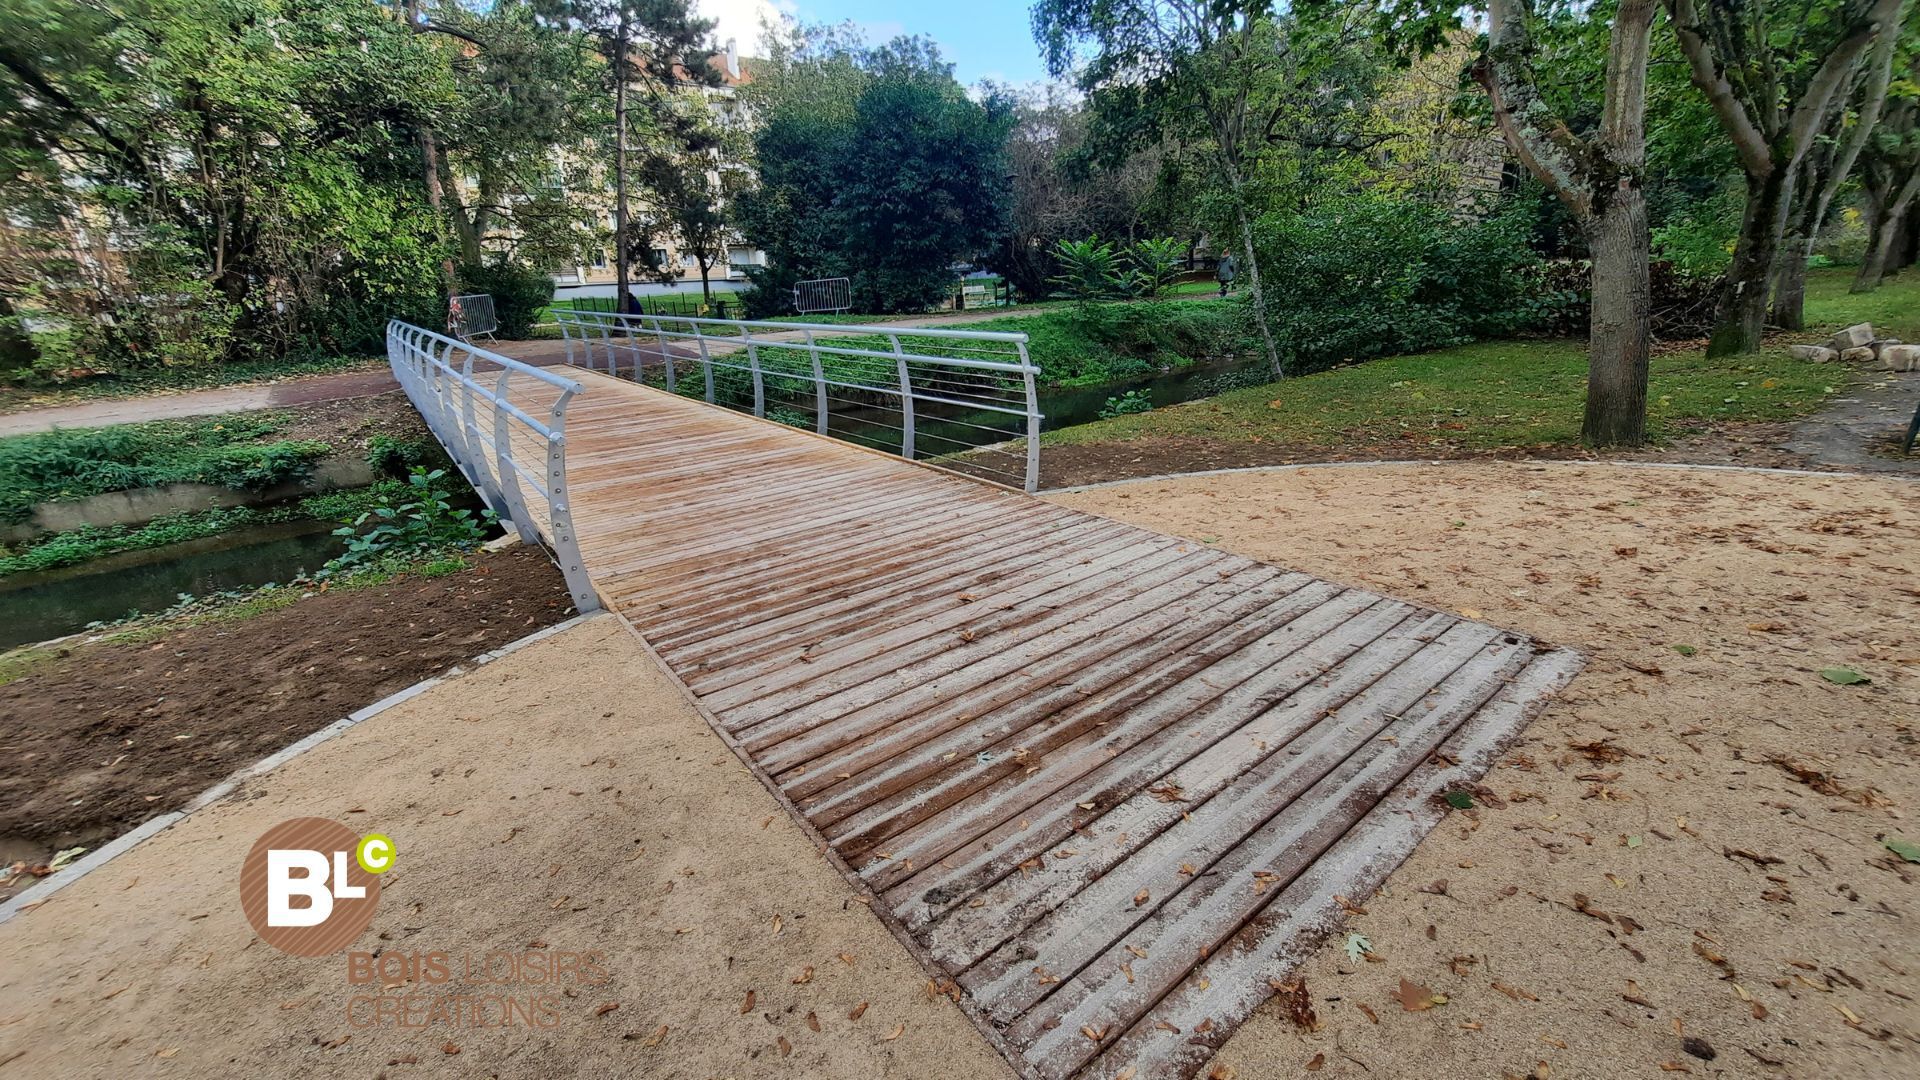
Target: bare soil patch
(1681,868)
(348,425)
(109,734)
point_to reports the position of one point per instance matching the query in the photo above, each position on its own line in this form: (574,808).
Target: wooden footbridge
(1108,785)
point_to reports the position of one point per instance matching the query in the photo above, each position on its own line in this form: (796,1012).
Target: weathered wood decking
(1108,781)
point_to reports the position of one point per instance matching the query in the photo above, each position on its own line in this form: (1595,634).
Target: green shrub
(1366,276)
(520,293)
(1133,401)
(1090,270)
(74,464)
(423,520)
(1698,240)
(396,458)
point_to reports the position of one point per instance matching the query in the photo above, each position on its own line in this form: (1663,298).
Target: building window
(600,259)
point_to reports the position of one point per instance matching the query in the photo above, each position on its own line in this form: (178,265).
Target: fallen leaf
(899,1030)
(1906,849)
(1294,998)
(606,1008)
(805,976)
(1413,997)
(747,1005)
(813,1022)
(1319,1062)
(786,1048)
(1843,676)
(858,1011)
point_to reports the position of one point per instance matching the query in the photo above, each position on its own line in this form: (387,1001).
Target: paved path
(1104,780)
(1871,415)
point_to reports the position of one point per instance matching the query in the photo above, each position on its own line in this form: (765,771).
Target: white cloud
(742,19)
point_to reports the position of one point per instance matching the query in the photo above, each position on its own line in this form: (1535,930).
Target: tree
(656,47)
(1166,58)
(921,180)
(1057,195)
(1598,177)
(1891,177)
(526,108)
(692,174)
(1771,83)
(874,165)
(1824,168)
(193,179)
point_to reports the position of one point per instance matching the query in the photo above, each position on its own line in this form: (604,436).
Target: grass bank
(245,451)
(241,451)
(1518,394)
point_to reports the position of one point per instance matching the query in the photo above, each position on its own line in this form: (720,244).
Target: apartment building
(735,71)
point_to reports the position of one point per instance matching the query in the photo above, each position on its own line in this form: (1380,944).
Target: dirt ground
(563,798)
(347,425)
(1681,868)
(106,735)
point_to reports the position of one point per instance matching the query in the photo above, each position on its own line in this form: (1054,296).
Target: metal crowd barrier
(471,315)
(962,399)
(466,395)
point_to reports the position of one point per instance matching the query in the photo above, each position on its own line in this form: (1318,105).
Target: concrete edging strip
(34,895)
(1432,462)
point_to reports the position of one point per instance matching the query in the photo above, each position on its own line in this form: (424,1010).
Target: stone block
(1898,357)
(1819,354)
(1859,354)
(1853,337)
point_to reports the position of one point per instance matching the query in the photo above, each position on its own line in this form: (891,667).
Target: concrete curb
(1531,462)
(146,830)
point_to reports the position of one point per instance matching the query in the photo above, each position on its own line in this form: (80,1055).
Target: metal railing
(962,399)
(466,395)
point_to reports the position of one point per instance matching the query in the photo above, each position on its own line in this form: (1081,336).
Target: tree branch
(1748,139)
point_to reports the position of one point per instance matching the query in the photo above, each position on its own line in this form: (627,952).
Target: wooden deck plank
(1037,737)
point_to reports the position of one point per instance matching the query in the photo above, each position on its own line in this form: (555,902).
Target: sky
(983,39)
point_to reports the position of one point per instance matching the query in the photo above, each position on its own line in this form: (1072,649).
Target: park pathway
(1107,784)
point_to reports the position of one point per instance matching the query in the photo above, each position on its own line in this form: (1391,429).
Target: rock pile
(1858,345)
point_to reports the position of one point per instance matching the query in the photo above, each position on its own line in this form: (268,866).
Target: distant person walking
(1224,271)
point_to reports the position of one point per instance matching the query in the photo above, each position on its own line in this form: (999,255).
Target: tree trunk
(1741,315)
(620,275)
(1884,250)
(1874,197)
(430,172)
(1790,282)
(1274,362)
(1617,342)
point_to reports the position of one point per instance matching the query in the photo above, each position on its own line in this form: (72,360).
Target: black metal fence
(656,304)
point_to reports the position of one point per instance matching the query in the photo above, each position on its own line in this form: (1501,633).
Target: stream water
(48,604)
(52,603)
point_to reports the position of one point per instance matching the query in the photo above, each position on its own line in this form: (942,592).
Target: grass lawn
(1499,394)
